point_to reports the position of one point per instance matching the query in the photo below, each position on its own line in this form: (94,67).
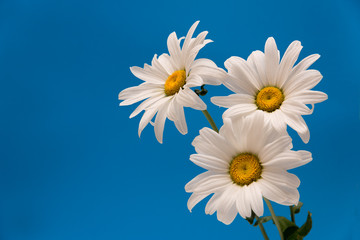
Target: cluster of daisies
(248,158)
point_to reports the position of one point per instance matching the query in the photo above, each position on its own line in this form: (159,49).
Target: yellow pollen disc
(174,82)
(245,168)
(269,99)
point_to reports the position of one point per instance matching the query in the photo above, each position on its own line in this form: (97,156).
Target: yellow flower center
(174,82)
(269,99)
(245,168)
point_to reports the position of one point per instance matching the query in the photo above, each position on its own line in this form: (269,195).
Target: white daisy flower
(246,161)
(168,80)
(276,89)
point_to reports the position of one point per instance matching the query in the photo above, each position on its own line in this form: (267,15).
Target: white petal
(189,98)
(149,75)
(208,71)
(245,72)
(177,115)
(270,133)
(289,160)
(189,187)
(255,138)
(140,97)
(295,107)
(274,193)
(158,68)
(167,62)
(138,90)
(256,200)
(160,122)
(194,81)
(243,78)
(274,148)
(203,62)
(180,122)
(277,120)
(241,131)
(280,176)
(190,55)
(291,193)
(174,49)
(234,84)
(228,133)
(189,36)
(146,104)
(208,149)
(227,212)
(241,205)
(240,110)
(219,146)
(305,156)
(257,60)
(246,200)
(303,81)
(195,199)
(308,96)
(233,99)
(199,40)
(218,143)
(287,62)
(298,124)
(227,216)
(213,183)
(196,45)
(171,114)
(212,204)
(210,163)
(147,116)
(208,183)
(193,49)
(304,64)
(210,76)
(271,60)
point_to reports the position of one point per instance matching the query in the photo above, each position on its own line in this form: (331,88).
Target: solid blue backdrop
(72,165)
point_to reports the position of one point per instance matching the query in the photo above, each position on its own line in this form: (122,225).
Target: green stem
(262,229)
(292,214)
(211,121)
(274,218)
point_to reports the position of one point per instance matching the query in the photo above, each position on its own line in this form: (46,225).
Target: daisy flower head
(277,89)
(246,161)
(167,82)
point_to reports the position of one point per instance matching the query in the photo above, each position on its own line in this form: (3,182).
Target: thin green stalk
(292,214)
(211,121)
(262,229)
(274,218)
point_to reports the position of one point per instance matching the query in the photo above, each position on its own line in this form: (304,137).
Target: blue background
(72,165)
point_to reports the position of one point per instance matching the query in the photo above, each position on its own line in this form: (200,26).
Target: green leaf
(263,220)
(297,208)
(295,236)
(287,227)
(251,219)
(303,230)
(285,223)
